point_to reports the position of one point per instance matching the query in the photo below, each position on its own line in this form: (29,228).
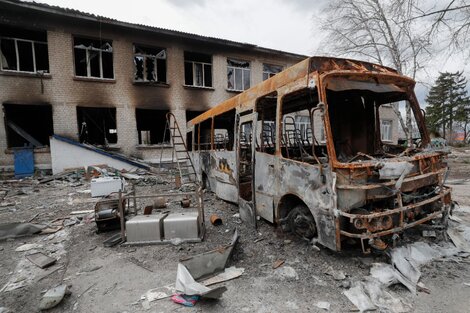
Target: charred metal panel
(224,173)
(265,185)
(314,186)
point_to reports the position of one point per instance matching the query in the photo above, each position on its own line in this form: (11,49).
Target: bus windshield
(364,117)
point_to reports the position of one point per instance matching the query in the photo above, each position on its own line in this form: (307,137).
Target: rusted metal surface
(364,196)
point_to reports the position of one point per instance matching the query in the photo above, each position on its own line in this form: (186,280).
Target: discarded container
(145,228)
(103,186)
(216,220)
(186,203)
(181,225)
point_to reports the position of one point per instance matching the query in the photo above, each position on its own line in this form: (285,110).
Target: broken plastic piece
(52,297)
(185,299)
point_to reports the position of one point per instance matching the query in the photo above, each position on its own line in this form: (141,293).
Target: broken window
(97,126)
(150,64)
(386,130)
(93,57)
(266,107)
(363,118)
(238,75)
(151,126)
(301,127)
(197,69)
(224,127)
(23,50)
(270,70)
(28,125)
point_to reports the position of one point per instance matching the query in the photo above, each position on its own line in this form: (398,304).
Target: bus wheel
(301,222)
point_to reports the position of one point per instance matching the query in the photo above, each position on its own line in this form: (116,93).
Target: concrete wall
(65,92)
(67,156)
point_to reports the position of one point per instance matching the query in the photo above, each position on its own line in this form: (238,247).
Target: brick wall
(65,92)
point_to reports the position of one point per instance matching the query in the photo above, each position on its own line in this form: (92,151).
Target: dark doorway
(28,125)
(97,126)
(151,126)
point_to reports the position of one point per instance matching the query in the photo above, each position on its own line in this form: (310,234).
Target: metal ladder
(180,152)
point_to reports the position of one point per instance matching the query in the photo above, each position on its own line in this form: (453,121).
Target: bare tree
(450,18)
(383,32)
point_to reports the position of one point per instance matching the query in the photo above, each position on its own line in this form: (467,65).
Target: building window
(304,127)
(23,50)
(28,125)
(238,75)
(197,69)
(150,64)
(151,126)
(93,58)
(386,130)
(97,126)
(270,70)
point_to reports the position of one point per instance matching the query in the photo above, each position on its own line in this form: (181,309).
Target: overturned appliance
(107,215)
(175,217)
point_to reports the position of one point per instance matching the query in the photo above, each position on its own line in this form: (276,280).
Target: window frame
(87,56)
(33,50)
(270,73)
(193,68)
(243,70)
(155,58)
(382,133)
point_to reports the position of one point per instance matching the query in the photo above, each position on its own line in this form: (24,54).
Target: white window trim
(193,65)
(382,133)
(243,74)
(87,55)
(155,58)
(17,54)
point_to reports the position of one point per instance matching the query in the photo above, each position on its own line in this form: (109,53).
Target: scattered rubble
(53,297)
(65,209)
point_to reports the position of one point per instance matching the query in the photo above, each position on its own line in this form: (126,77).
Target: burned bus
(303,149)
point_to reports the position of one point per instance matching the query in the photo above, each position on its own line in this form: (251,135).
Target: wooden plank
(40,259)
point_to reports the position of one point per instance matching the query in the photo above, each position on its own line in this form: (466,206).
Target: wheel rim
(302,223)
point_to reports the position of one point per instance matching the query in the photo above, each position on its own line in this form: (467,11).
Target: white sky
(290,26)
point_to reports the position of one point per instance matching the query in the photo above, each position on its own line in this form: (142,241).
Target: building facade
(111,83)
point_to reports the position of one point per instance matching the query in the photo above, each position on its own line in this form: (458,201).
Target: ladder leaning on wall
(180,152)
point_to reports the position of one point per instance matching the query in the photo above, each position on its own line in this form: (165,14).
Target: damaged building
(110,83)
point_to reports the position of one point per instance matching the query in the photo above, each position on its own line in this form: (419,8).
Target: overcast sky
(289,25)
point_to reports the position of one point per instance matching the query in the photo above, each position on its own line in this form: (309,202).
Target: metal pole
(121,216)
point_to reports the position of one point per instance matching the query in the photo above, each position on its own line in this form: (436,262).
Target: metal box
(181,225)
(144,228)
(103,186)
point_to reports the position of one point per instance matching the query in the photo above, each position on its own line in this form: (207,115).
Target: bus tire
(301,222)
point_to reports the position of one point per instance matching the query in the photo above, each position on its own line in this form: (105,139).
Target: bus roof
(299,70)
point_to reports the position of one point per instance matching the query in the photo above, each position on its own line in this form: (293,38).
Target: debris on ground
(53,297)
(27,247)
(185,299)
(278,263)
(41,260)
(336,274)
(215,220)
(323,305)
